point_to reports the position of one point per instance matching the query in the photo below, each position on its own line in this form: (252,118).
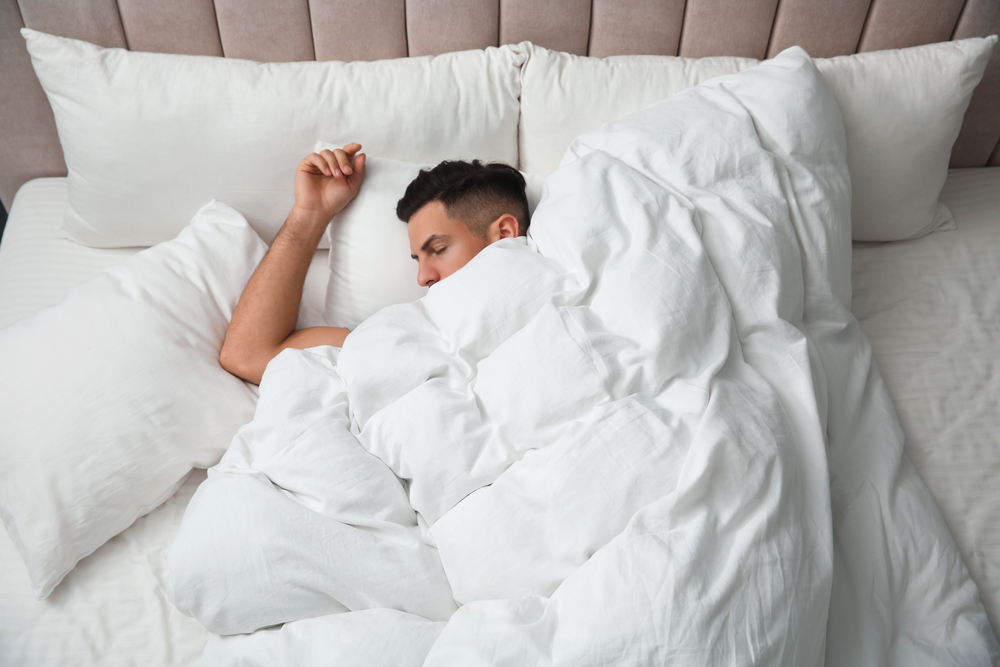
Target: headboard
(283,30)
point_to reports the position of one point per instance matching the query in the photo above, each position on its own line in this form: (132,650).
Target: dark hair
(472,192)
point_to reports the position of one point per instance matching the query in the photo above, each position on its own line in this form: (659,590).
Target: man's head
(458,208)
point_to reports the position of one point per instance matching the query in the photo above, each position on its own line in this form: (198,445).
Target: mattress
(931,308)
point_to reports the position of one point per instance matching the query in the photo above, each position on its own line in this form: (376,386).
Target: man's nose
(427,275)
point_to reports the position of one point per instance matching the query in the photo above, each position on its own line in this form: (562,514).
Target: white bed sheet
(37,266)
(931,308)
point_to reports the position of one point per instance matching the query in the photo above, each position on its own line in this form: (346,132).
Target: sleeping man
(454,210)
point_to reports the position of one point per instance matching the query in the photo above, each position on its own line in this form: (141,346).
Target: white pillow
(150,137)
(111,397)
(902,112)
(564,95)
(370,263)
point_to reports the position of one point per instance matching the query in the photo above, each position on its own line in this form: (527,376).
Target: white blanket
(651,434)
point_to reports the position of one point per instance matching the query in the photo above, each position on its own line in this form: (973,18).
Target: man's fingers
(336,162)
(359,172)
(343,161)
(332,162)
(317,164)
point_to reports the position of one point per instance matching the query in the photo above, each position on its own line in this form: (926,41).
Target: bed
(928,302)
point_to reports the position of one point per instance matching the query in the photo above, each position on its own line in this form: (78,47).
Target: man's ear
(504,227)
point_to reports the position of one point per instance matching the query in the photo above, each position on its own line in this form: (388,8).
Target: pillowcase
(370,264)
(564,95)
(112,396)
(902,112)
(149,137)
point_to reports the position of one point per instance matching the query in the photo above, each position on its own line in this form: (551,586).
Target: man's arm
(263,323)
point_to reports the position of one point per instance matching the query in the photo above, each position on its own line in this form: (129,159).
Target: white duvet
(651,434)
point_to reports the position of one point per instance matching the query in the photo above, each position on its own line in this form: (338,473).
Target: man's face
(440,244)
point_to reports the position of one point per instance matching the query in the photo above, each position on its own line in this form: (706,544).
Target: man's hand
(327,181)
(263,323)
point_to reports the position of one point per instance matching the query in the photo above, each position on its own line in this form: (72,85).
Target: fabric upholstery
(30,145)
(439,26)
(96,21)
(265,30)
(895,24)
(981,132)
(345,30)
(563,26)
(727,28)
(824,29)
(651,27)
(179,26)
(283,30)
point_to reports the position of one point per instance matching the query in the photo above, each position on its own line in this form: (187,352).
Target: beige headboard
(281,30)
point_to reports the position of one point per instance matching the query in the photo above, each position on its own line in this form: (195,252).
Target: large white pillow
(370,263)
(150,137)
(902,112)
(564,95)
(111,397)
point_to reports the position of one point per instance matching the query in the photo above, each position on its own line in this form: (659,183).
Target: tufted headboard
(283,30)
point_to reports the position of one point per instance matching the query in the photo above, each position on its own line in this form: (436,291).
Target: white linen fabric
(234,130)
(111,397)
(38,267)
(931,309)
(296,471)
(370,263)
(908,297)
(111,609)
(902,112)
(903,109)
(618,444)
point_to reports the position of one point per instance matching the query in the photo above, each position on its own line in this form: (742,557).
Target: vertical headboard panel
(178,26)
(896,24)
(29,145)
(350,30)
(266,30)
(439,26)
(727,28)
(561,25)
(96,21)
(821,27)
(639,27)
(979,141)
(286,30)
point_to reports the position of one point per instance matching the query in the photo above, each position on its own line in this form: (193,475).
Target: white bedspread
(652,434)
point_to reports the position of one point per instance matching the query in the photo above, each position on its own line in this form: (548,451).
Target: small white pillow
(149,137)
(111,397)
(902,112)
(370,263)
